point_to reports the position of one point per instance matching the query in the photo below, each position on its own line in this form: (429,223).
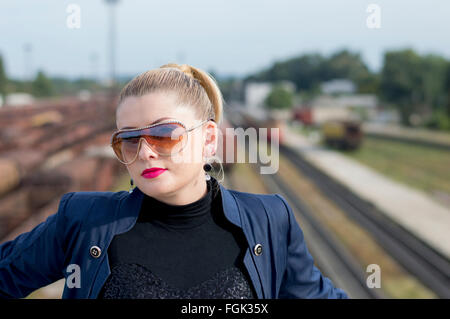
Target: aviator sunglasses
(166,139)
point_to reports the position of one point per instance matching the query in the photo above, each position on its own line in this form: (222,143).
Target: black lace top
(180,251)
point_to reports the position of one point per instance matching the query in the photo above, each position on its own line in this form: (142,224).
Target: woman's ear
(211,137)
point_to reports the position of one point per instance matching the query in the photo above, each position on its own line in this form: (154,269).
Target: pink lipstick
(153,172)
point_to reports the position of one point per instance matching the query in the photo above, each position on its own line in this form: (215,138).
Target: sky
(229,37)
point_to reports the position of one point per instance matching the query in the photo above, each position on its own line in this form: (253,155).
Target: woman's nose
(146,151)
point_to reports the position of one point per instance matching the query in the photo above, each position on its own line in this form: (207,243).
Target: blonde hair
(191,86)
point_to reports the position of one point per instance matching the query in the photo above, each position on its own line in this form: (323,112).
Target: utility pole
(112,42)
(93,58)
(28,72)
(112,51)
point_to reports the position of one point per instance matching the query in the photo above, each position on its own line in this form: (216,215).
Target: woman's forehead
(150,109)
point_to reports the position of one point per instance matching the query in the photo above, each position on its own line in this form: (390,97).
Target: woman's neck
(190,193)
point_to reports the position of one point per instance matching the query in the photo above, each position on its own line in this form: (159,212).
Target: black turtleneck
(179,251)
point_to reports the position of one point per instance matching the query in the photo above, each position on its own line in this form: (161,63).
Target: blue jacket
(283,268)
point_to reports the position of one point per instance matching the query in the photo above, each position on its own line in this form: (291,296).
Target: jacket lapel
(233,212)
(129,210)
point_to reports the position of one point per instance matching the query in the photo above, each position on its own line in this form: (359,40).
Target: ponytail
(210,86)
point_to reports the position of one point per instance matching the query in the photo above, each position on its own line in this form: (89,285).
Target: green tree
(447,89)
(279,98)
(400,79)
(433,71)
(42,86)
(345,64)
(414,83)
(303,71)
(369,84)
(440,118)
(309,70)
(3,80)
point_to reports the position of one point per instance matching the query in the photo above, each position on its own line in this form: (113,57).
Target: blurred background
(358,92)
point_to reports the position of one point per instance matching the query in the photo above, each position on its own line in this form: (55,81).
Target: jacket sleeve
(34,259)
(301,278)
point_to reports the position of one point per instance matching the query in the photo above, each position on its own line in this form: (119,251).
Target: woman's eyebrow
(158,120)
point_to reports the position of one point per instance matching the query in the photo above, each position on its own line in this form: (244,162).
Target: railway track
(418,258)
(422,261)
(332,257)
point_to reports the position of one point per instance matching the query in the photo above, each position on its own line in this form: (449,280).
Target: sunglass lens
(130,148)
(126,145)
(165,139)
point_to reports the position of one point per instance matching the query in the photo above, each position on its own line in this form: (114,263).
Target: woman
(179,233)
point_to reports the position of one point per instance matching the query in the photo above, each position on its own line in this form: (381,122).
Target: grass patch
(421,167)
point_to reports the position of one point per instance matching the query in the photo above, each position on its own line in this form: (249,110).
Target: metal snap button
(95,251)
(257,249)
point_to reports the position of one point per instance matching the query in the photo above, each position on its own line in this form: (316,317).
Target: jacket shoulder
(272,206)
(252,196)
(94,195)
(79,204)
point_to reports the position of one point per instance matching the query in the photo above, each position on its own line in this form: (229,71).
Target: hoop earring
(131,186)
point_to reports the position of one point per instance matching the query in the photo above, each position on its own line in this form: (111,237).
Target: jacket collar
(130,207)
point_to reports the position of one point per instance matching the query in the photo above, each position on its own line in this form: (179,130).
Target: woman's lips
(153,172)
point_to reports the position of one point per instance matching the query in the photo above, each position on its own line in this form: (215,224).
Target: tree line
(44,86)
(416,85)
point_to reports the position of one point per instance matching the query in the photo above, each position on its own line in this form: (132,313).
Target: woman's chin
(155,186)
